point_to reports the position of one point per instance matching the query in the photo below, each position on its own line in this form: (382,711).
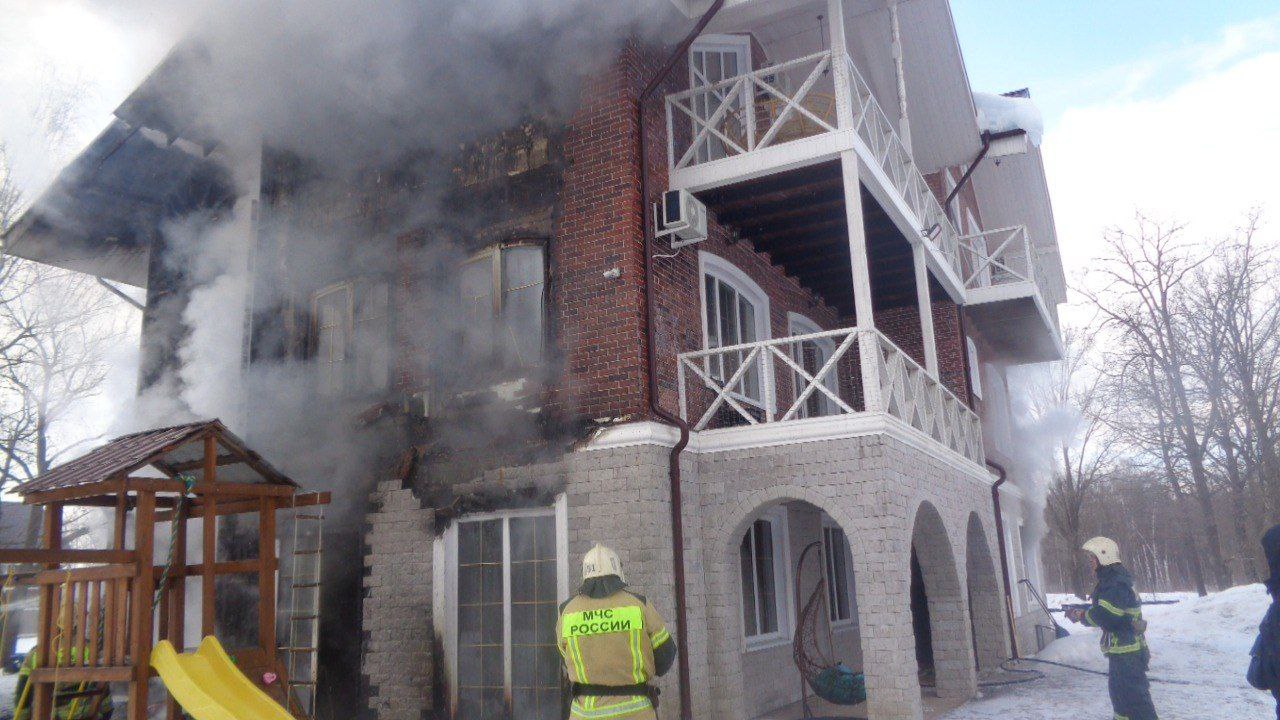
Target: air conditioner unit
(681,216)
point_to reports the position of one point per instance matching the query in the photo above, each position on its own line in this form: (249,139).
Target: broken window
(507,590)
(839,579)
(812,355)
(351,336)
(502,292)
(763,565)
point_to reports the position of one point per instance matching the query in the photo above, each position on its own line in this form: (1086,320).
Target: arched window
(812,355)
(735,311)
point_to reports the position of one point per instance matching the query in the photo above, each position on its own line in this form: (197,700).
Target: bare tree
(1068,397)
(1143,301)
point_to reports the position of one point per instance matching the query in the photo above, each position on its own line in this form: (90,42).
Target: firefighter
(1264,662)
(613,643)
(1118,611)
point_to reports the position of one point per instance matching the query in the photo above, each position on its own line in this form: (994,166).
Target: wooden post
(42,702)
(209,529)
(144,535)
(178,596)
(267,578)
(122,516)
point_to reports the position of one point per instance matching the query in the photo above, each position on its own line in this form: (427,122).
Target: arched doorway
(767,599)
(939,609)
(986,599)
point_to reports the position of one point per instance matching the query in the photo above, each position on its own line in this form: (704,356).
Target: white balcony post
(839,66)
(904,126)
(926,309)
(858,267)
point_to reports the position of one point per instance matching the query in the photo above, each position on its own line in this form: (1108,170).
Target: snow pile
(1001,113)
(1227,619)
(1202,641)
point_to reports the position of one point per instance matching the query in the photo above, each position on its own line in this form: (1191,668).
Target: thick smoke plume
(349,92)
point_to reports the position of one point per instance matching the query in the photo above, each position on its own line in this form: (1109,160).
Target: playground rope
(188,482)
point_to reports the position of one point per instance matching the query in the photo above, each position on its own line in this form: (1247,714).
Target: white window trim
(798,324)
(829,522)
(1013,568)
(730,274)
(777,516)
(975,367)
(444,572)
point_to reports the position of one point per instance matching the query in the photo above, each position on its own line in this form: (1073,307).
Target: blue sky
(1165,108)
(1070,53)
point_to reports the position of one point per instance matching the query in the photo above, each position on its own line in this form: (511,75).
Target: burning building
(514,286)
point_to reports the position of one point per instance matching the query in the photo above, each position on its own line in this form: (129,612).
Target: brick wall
(902,326)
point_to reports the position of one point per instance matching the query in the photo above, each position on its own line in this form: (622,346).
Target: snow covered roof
(1009,112)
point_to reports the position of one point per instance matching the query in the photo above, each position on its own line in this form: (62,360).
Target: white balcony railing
(999,257)
(793,101)
(821,375)
(909,393)
(874,128)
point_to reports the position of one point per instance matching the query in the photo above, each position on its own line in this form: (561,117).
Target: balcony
(1004,283)
(800,113)
(849,374)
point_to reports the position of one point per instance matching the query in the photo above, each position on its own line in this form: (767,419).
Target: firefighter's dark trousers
(1276,695)
(1130,690)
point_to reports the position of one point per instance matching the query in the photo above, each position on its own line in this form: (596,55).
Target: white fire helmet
(601,561)
(1105,549)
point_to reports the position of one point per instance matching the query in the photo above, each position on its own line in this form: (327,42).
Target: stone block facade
(888,491)
(398,662)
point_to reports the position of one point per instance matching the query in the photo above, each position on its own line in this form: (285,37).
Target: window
(840,594)
(735,312)
(812,355)
(712,60)
(763,562)
(351,336)
(509,579)
(502,293)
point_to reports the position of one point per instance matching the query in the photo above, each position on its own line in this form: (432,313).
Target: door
(713,59)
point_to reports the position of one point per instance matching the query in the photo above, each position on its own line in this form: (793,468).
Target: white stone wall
(874,487)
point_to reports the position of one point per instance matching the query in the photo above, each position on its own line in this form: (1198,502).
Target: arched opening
(944,649)
(772,599)
(986,599)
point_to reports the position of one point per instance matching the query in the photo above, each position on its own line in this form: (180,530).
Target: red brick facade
(598,321)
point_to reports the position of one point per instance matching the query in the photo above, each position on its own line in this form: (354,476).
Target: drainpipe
(1004,555)
(986,146)
(651,391)
(987,138)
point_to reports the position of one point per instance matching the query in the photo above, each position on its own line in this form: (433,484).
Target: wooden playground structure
(101,611)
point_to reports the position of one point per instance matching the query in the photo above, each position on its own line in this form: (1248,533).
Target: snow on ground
(1202,640)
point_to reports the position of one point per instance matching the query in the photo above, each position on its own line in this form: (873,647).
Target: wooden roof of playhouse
(176,454)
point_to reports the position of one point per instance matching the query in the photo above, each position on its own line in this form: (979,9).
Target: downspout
(651,390)
(1004,555)
(964,179)
(987,138)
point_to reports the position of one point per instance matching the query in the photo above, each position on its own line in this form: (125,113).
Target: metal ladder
(301,654)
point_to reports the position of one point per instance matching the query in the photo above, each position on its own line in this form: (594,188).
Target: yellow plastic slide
(209,687)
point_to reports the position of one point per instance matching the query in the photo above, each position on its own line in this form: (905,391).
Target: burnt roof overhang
(151,163)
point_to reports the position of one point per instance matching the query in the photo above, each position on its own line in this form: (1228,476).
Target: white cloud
(1202,151)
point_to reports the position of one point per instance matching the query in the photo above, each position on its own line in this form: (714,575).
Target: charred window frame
(351,333)
(504,296)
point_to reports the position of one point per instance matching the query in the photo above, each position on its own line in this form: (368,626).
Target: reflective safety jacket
(1118,611)
(611,640)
